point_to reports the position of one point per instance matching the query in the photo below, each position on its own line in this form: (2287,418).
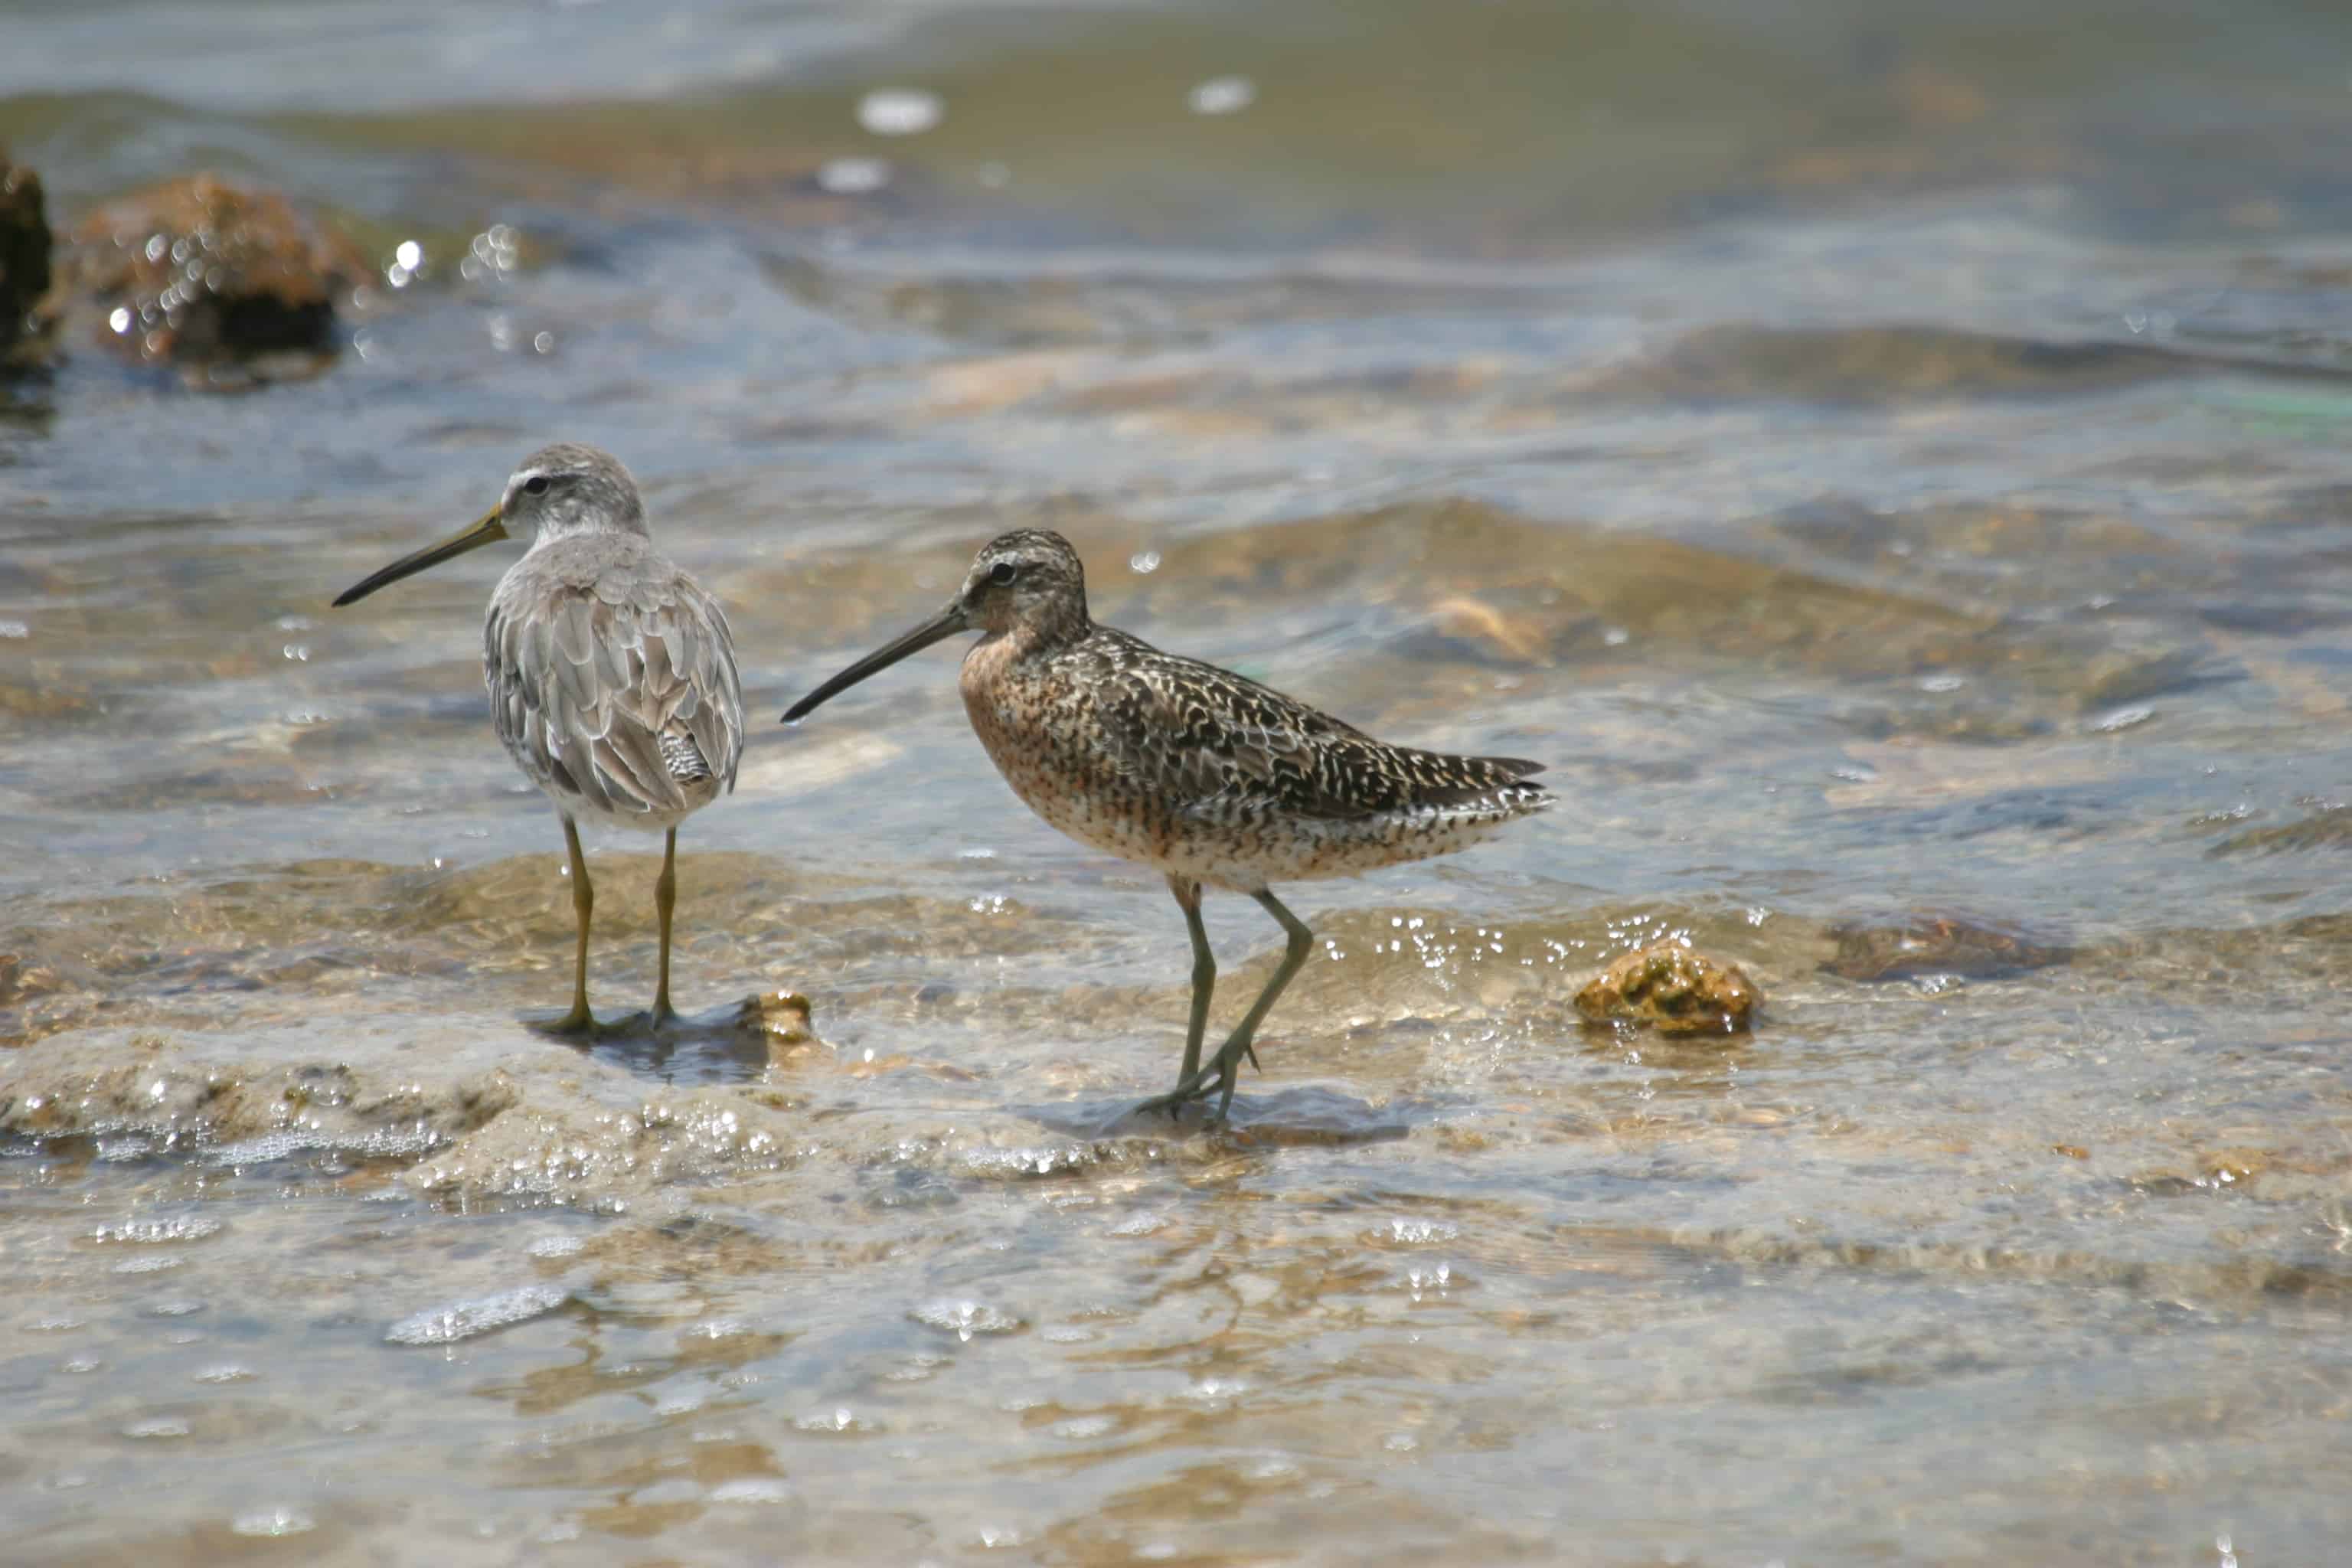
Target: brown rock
(1674,989)
(199,269)
(2224,1166)
(783,1016)
(23,247)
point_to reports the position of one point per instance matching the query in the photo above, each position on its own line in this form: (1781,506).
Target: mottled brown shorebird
(1207,777)
(611,672)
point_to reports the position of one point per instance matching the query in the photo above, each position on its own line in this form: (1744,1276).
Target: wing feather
(1220,742)
(716,718)
(621,689)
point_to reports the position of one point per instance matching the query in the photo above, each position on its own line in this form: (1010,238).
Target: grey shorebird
(1207,777)
(611,672)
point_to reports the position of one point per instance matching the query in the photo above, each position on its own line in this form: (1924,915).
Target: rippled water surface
(1889,460)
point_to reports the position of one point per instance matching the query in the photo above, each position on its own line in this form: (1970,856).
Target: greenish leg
(583,901)
(1204,974)
(1223,1070)
(1228,1062)
(664,901)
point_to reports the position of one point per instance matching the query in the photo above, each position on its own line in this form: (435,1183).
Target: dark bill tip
(482,530)
(945,623)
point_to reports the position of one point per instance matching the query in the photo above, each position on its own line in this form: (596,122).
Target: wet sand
(1908,513)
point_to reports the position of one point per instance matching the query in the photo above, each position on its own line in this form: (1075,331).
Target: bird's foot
(1223,1074)
(1173,1103)
(1195,1087)
(1217,1078)
(578,1023)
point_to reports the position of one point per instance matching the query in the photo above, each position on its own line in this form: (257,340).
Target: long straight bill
(483,531)
(945,623)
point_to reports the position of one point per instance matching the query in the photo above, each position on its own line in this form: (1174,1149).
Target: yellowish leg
(583,901)
(664,901)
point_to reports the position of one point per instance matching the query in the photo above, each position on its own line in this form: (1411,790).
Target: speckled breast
(1041,747)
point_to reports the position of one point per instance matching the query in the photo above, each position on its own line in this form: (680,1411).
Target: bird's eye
(535,485)
(1002,572)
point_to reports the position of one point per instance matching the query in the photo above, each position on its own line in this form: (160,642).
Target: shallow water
(1890,465)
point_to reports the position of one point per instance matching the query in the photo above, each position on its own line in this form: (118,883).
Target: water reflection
(1898,490)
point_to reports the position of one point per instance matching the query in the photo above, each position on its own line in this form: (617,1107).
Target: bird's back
(1208,774)
(612,680)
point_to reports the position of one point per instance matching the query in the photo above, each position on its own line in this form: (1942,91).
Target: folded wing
(1219,742)
(629,700)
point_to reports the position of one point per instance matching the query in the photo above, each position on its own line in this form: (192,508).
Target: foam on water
(482,1315)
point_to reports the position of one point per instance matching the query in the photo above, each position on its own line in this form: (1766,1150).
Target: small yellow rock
(781,1015)
(1674,989)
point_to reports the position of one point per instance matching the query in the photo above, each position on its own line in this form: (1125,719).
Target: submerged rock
(1874,366)
(197,271)
(24,248)
(1492,633)
(1674,989)
(2329,827)
(36,998)
(1938,944)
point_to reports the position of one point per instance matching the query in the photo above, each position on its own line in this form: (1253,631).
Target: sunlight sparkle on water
(899,110)
(1222,95)
(965,1318)
(268,1522)
(854,176)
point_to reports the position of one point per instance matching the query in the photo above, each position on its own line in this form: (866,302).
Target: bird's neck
(562,530)
(1043,635)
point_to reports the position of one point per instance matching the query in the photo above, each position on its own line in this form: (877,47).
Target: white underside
(1298,850)
(585,812)
(585,809)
